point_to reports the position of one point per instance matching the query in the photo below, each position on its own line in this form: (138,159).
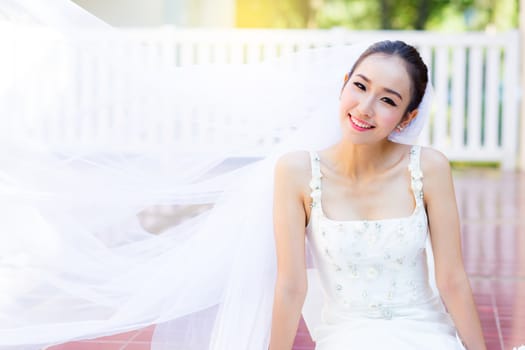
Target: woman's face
(374,99)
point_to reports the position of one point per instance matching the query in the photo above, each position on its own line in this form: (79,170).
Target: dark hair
(416,68)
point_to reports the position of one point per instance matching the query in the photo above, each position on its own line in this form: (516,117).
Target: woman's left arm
(451,278)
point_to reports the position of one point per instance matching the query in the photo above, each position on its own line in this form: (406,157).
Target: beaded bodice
(371,268)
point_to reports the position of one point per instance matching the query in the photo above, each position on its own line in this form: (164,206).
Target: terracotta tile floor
(493,233)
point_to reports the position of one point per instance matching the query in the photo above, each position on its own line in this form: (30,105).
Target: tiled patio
(493,231)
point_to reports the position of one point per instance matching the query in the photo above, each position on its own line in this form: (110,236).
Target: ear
(406,120)
(347,77)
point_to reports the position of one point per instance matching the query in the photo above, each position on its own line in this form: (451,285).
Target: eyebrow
(386,89)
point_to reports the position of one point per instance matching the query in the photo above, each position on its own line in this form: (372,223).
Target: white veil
(75,261)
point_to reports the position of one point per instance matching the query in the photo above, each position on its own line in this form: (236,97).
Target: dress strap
(416,175)
(315,182)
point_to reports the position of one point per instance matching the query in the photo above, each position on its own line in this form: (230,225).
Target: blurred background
(440,15)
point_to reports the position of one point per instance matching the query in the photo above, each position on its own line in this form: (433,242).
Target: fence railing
(475,78)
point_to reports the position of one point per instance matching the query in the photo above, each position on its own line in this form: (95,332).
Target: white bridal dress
(375,277)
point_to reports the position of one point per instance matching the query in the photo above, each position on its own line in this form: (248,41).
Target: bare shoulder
(434,163)
(293,168)
(293,164)
(437,176)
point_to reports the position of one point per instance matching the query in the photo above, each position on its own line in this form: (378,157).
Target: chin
(349,136)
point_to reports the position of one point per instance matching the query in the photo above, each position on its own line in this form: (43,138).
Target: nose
(365,106)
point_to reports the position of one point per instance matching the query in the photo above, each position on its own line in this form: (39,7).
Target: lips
(360,124)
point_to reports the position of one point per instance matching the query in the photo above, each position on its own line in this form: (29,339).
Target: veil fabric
(75,259)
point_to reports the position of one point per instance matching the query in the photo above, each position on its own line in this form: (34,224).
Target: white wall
(126,12)
(181,13)
(217,13)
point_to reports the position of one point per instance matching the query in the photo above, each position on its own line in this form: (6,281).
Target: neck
(361,161)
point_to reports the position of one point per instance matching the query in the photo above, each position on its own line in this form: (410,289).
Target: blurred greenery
(440,15)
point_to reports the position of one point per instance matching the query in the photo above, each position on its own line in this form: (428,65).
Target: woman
(368,204)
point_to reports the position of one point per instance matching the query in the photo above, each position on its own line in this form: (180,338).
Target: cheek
(347,100)
(388,115)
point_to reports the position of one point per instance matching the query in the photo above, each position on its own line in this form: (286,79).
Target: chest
(383,198)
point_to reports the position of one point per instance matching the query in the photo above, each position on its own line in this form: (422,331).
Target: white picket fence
(475,78)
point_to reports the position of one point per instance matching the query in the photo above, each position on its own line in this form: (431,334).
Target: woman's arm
(451,278)
(289,229)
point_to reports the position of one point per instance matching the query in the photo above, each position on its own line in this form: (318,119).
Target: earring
(399,128)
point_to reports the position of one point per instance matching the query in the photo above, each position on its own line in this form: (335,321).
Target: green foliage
(452,15)
(349,14)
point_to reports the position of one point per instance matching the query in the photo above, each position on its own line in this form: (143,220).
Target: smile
(360,124)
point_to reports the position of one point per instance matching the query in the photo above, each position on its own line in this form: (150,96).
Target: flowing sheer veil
(75,260)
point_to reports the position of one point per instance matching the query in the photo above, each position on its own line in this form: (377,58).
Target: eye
(359,86)
(389,101)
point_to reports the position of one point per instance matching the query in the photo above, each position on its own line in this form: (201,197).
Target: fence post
(511,103)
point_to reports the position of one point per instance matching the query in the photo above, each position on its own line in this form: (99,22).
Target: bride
(366,202)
